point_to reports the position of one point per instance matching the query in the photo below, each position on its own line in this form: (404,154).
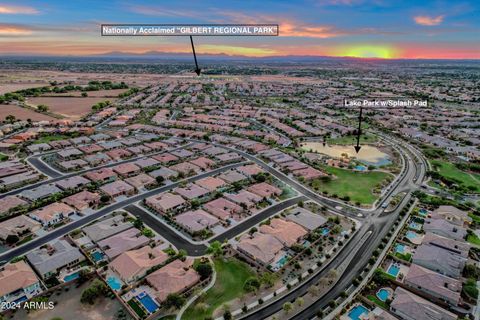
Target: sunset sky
(378,28)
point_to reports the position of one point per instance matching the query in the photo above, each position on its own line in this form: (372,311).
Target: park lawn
(352,139)
(356,185)
(51,137)
(448,170)
(473,239)
(231,276)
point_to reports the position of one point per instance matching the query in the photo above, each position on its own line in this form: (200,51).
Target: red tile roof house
(10,202)
(261,248)
(123,241)
(165,158)
(83,200)
(264,190)
(211,183)
(196,221)
(19,226)
(165,203)
(175,277)
(191,191)
(126,169)
(203,163)
(117,188)
(309,173)
(52,214)
(186,168)
(287,232)
(134,264)
(156,145)
(117,154)
(141,181)
(89,149)
(250,170)
(222,208)
(244,198)
(102,175)
(19,282)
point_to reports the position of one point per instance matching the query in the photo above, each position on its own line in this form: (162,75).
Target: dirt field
(11,87)
(70,308)
(21,113)
(70,107)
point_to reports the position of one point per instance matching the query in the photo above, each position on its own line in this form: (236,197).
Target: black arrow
(197,69)
(359,131)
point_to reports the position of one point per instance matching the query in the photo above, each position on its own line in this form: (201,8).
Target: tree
(138,223)
(90,294)
(287,307)
(84,94)
(268,279)
(160,179)
(252,284)
(227,315)
(10,118)
(42,108)
(12,239)
(204,270)
(300,301)
(104,198)
(174,300)
(215,249)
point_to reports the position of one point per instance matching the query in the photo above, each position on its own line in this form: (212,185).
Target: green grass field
(356,185)
(231,276)
(473,239)
(448,170)
(351,139)
(3,157)
(377,301)
(53,137)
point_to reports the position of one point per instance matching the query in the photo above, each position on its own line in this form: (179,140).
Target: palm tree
(215,249)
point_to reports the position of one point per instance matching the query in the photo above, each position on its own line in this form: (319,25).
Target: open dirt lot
(21,113)
(70,107)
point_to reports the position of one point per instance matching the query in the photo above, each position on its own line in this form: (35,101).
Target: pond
(369,155)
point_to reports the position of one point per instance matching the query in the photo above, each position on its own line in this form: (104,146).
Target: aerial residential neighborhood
(328,170)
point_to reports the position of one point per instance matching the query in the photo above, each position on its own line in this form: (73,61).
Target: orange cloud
(428,21)
(13,30)
(8,9)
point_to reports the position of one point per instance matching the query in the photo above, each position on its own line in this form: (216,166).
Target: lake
(369,155)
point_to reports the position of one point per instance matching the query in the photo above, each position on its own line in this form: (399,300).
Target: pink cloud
(8,9)
(428,21)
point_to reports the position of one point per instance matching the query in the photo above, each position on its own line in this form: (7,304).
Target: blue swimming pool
(361,168)
(325,231)
(357,311)
(400,248)
(423,212)
(97,256)
(415,226)
(393,270)
(114,283)
(71,277)
(147,302)
(411,235)
(383,294)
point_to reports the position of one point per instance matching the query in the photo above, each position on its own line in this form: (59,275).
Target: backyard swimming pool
(423,212)
(415,226)
(400,248)
(147,302)
(114,283)
(97,256)
(383,294)
(411,235)
(393,270)
(356,312)
(71,276)
(325,231)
